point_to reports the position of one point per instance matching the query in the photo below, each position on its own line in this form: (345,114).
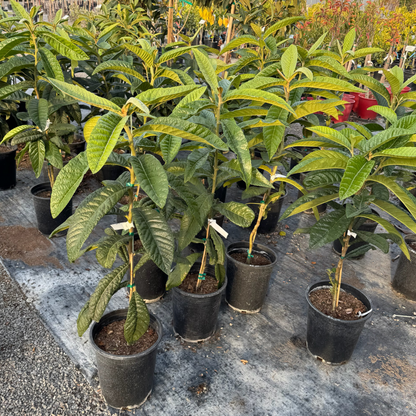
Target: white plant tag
(351,234)
(277,175)
(122,226)
(218,228)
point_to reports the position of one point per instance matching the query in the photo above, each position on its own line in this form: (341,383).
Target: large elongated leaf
(109,247)
(37,156)
(390,229)
(373,85)
(84,319)
(151,177)
(348,41)
(67,183)
(400,192)
(356,173)
(103,139)
(19,129)
(375,239)
(326,83)
(65,47)
(8,44)
(330,63)
(174,53)
(137,320)
(239,214)
(386,112)
(331,134)
(184,129)
(238,144)
(10,89)
(235,43)
(281,24)
(396,212)
(383,137)
(273,136)
(328,228)
(207,71)
(317,179)
(258,96)
(53,155)
(87,215)
(83,95)
(398,152)
(289,61)
(145,56)
(182,268)
(196,160)
(156,236)
(170,146)
(19,10)
(311,107)
(50,63)
(321,161)
(121,66)
(104,291)
(161,95)
(38,112)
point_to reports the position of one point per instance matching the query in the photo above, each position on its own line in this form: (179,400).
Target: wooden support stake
(170,22)
(229,29)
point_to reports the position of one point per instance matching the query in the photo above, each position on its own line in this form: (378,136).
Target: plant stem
(51,175)
(130,216)
(338,272)
(262,209)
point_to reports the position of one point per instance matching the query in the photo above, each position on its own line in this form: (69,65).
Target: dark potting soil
(44,194)
(413,245)
(137,245)
(5,149)
(348,305)
(125,199)
(256,260)
(209,285)
(111,339)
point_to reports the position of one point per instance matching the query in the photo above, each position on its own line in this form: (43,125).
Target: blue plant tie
(201,276)
(249,256)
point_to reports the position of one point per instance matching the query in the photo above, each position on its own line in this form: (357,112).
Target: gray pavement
(36,376)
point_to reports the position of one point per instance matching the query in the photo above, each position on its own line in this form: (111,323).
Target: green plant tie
(249,255)
(129,185)
(262,202)
(342,257)
(204,239)
(136,196)
(201,276)
(131,286)
(131,234)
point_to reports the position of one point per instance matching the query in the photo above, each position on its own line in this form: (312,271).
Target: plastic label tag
(277,175)
(218,228)
(351,234)
(122,226)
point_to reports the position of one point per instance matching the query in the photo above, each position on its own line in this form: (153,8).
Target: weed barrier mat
(255,364)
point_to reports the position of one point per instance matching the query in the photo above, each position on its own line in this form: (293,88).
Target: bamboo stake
(387,64)
(229,29)
(170,22)
(349,64)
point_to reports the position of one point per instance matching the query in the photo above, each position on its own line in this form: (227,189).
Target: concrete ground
(255,365)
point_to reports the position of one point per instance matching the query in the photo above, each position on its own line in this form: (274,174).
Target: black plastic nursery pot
(369,226)
(150,281)
(248,283)
(269,224)
(78,146)
(221,193)
(125,380)
(46,224)
(109,173)
(329,339)
(404,280)
(8,168)
(195,316)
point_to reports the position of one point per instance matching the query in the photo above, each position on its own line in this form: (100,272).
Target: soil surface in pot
(413,246)
(5,149)
(137,245)
(44,194)
(111,339)
(209,285)
(348,306)
(257,259)
(125,200)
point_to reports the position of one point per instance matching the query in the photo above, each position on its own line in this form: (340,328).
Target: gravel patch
(36,376)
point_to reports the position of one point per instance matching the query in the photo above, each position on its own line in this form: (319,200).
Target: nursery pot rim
(11,149)
(159,330)
(410,239)
(326,284)
(273,263)
(203,295)
(44,184)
